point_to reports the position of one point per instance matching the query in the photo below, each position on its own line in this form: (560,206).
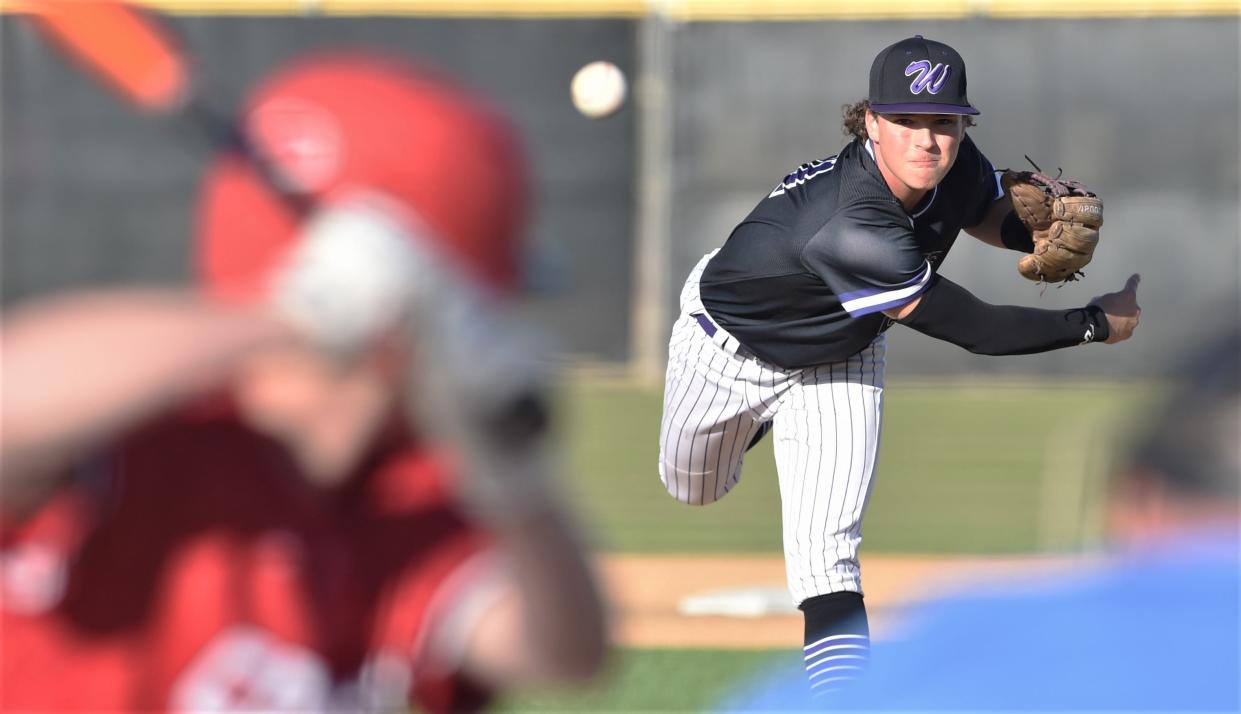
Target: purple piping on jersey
(867,292)
(999,187)
(929,201)
(890,298)
(869,310)
(923,108)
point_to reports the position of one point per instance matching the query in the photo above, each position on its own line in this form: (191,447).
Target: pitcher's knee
(693,487)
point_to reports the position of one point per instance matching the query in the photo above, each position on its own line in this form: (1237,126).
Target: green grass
(961,469)
(657,681)
(973,468)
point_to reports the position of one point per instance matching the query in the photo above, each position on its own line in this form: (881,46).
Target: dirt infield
(647,592)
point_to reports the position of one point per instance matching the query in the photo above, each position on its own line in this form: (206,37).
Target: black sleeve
(949,312)
(1014,234)
(867,256)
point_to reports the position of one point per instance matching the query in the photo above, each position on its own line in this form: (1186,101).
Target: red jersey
(199,570)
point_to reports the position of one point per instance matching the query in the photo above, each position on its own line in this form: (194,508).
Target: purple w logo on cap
(929,78)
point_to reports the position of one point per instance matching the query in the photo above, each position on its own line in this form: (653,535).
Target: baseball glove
(1064,219)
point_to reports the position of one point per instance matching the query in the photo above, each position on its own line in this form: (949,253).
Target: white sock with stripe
(834,661)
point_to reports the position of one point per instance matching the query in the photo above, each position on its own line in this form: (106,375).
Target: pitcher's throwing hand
(1121,309)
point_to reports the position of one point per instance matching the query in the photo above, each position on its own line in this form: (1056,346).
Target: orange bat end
(117,43)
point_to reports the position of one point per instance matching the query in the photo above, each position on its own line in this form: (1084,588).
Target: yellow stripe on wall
(712,10)
(792,10)
(424,8)
(1006,9)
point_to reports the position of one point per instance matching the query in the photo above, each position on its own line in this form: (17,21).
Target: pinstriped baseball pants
(827,423)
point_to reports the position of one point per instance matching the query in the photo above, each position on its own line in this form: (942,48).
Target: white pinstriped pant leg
(715,400)
(827,426)
(827,445)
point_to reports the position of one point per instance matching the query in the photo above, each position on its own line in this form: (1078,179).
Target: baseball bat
(131,53)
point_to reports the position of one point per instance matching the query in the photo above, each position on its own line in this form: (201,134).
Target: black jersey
(803,280)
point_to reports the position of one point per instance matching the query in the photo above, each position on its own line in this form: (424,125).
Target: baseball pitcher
(783,326)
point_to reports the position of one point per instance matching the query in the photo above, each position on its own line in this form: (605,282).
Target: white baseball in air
(598,89)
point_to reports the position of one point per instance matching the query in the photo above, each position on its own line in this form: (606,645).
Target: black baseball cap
(919,76)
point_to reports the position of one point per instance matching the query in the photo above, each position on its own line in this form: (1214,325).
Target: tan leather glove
(1064,218)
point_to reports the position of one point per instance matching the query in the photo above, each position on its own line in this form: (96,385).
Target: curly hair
(855,118)
(854,123)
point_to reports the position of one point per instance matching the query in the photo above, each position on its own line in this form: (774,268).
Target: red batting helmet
(340,123)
